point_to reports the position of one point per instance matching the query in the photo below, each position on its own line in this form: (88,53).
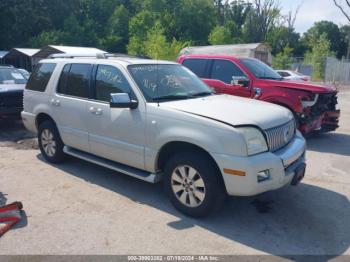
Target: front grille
(11,99)
(280,136)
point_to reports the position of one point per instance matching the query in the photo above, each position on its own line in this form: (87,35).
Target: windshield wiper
(171,97)
(202,94)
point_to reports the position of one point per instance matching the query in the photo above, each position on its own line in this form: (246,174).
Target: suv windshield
(260,69)
(11,76)
(162,82)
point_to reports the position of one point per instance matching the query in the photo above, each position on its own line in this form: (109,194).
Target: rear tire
(50,143)
(193,184)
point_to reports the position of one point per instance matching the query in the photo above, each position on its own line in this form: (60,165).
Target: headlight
(254,139)
(309,101)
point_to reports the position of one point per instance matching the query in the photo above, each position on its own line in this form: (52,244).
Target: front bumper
(11,103)
(326,122)
(282,166)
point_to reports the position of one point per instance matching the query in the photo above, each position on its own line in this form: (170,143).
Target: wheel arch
(42,117)
(171,148)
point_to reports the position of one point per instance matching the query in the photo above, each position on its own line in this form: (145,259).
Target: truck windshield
(11,76)
(260,70)
(167,82)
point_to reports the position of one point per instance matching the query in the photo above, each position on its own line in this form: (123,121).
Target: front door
(115,133)
(223,74)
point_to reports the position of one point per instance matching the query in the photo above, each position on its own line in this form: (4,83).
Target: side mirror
(122,100)
(240,81)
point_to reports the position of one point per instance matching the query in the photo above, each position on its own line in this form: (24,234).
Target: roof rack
(97,55)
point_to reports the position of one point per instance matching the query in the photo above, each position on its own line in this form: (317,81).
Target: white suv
(155,120)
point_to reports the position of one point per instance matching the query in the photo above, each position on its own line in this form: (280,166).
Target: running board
(127,170)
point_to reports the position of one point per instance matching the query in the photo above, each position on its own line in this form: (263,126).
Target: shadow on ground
(14,134)
(334,143)
(303,220)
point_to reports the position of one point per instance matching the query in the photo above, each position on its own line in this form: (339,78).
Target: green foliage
(117,32)
(155,45)
(283,59)
(47,38)
(331,32)
(220,35)
(321,49)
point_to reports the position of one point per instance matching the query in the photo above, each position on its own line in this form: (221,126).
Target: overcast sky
(312,11)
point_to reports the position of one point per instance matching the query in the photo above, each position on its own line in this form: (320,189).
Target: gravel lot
(80,208)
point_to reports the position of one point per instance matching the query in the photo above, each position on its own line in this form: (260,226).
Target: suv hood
(234,110)
(11,87)
(305,86)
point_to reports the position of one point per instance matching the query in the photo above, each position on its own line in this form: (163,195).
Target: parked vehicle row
(156,120)
(314,106)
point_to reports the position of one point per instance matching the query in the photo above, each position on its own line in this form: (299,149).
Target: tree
(156,45)
(139,25)
(345,31)
(262,16)
(280,36)
(283,59)
(220,35)
(321,49)
(117,34)
(47,38)
(331,32)
(340,4)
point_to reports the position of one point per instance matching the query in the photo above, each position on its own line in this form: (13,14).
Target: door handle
(92,110)
(55,102)
(96,111)
(99,111)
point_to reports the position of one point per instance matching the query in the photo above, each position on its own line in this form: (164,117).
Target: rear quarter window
(41,77)
(197,66)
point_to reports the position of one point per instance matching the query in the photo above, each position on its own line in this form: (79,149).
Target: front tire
(50,143)
(193,184)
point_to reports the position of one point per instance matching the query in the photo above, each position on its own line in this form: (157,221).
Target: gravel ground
(80,208)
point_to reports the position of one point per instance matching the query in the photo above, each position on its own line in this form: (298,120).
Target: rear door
(70,105)
(222,74)
(117,134)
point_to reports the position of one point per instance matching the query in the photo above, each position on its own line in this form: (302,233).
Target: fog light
(263,176)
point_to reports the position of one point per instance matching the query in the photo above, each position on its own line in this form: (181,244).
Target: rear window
(197,66)
(74,80)
(40,77)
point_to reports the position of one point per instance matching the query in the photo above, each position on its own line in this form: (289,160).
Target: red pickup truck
(314,106)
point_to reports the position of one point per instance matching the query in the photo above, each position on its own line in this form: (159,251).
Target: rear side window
(40,77)
(110,80)
(225,71)
(197,66)
(74,80)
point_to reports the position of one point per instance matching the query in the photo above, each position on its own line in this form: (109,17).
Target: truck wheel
(50,143)
(193,184)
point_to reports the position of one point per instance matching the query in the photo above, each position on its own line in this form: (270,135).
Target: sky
(312,11)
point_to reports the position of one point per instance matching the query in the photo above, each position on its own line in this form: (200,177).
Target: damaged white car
(156,120)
